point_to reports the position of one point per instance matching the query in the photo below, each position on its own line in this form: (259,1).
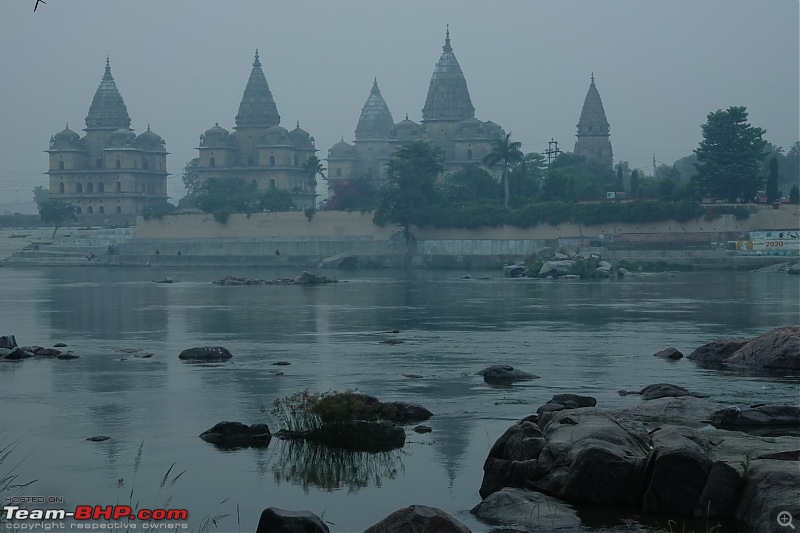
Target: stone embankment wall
(334,224)
(253,240)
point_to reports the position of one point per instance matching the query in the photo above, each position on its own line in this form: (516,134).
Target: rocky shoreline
(677,454)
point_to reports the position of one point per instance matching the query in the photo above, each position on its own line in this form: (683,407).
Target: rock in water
(8,342)
(238,435)
(778,349)
(503,374)
(418,519)
(274,520)
(669,353)
(205,354)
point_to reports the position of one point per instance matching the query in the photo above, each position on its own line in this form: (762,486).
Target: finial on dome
(256,63)
(592,77)
(298,124)
(148,126)
(447,47)
(406,116)
(67,126)
(107,73)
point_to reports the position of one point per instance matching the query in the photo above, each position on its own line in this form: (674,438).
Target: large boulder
(205,354)
(756,416)
(237,435)
(678,468)
(8,342)
(274,520)
(715,353)
(688,410)
(17,353)
(513,458)
(769,488)
(504,374)
(528,509)
(418,519)
(555,268)
(592,457)
(580,455)
(514,271)
(778,349)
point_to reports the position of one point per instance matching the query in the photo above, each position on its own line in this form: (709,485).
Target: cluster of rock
(205,354)
(778,349)
(571,452)
(377,429)
(11,352)
(306,278)
(411,519)
(566,263)
(793,269)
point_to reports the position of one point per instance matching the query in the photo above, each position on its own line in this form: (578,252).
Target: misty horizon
(660,69)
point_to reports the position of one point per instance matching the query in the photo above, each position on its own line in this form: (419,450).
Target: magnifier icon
(785,519)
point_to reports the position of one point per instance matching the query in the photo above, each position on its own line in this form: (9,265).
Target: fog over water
(660,69)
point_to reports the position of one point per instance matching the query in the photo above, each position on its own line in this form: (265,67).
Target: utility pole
(552,151)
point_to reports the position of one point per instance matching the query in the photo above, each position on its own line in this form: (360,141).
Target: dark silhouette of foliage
(729,156)
(509,153)
(55,213)
(412,196)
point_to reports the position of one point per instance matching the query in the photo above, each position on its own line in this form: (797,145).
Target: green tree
(313,168)
(772,181)
(357,194)
(224,196)
(794,195)
(509,153)
(558,186)
(411,196)
(791,165)
(470,185)
(40,194)
(619,182)
(191,177)
(525,179)
(55,213)
(634,188)
(729,156)
(276,200)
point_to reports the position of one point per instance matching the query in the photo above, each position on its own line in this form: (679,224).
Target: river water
(584,337)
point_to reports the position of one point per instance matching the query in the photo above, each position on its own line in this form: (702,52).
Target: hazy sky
(181,66)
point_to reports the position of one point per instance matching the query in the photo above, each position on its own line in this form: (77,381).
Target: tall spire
(448,96)
(107,110)
(257,107)
(593,128)
(376,120)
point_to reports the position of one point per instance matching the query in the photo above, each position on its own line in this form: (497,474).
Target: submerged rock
(503,374)
(238,435)
(418,519)
(274,520)
(663,390)
(669,353)
(529,509)
(205,354)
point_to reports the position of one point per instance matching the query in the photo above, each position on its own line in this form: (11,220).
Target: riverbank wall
(292,239)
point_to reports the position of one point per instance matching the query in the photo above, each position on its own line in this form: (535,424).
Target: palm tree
(313,167)
(509,153)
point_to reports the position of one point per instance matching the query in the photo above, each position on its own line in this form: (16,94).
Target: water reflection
(309,464)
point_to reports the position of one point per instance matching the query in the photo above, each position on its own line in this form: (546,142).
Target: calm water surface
(588,338)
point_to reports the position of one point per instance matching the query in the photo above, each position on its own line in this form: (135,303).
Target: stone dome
(66,139)
(301,138)
(342,150)
(150,140)
(471,128)
(121,138)
(407,130)
(215,136)
(276,135)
